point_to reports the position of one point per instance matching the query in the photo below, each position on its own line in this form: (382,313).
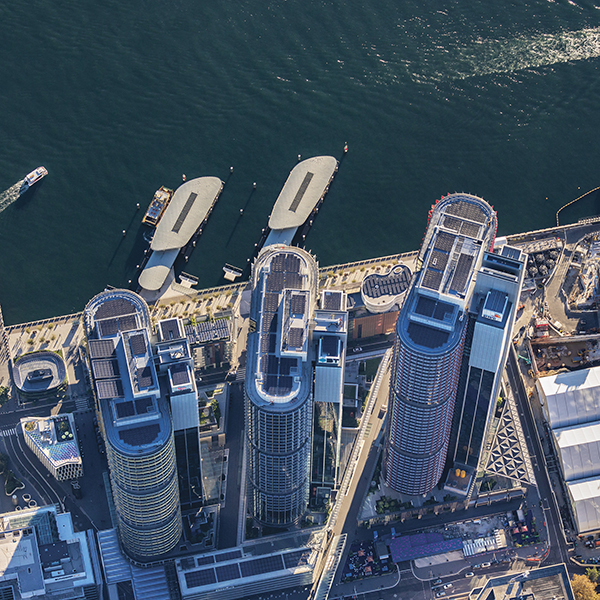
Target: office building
(278,388)
(430,337)
(488,338)
(177,364)
(330,334)
(136,424)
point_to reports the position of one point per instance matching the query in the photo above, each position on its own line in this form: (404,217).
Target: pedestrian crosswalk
(8,432)
(81,403)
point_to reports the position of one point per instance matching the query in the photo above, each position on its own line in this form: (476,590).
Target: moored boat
(157,207)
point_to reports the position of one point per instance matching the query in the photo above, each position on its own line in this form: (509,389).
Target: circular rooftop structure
(112,311)
(39,373)
(380,292)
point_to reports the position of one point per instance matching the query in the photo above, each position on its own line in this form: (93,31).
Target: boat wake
(7,197)
(517,54)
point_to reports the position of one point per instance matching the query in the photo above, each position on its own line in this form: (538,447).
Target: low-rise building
(42,556)
(54,441)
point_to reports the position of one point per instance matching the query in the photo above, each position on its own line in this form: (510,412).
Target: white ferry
(33,178)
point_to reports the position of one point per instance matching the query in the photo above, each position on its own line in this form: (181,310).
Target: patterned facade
(430,337)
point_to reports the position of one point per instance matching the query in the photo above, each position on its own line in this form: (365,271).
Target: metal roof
(585,496)
(579,450)
(305,186)
(571,398)
(190,205)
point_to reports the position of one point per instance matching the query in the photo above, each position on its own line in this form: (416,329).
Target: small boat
(157,207)
(33,178)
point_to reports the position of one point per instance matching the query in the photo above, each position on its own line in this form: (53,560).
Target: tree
(583,588)
(592,574)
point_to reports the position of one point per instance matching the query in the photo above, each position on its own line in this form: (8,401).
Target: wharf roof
(571,398)
(305,186)
(157,269)
(283,297)
(190,205)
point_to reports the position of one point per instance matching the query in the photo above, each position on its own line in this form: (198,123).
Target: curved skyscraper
(430,336)
(279,384)
(136,424)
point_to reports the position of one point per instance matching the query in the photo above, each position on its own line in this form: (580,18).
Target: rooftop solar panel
(138,344)
(144,377)
(108,327)
(444,241)
(277,262)
(292,263)
(425,306)
(271,384)
(432,279)
(128,323)
(200,578)
(470,229)
(115,307)
(428,337)
(169,330)
(452,223)
(332,301)
(285,364)
(295,337)
(143,405)
(467,210)
(509,252)
(102,348)
(105,368)
(296,559)
(461,275)
(271,302)
(495,301)
(258,566)
(207,559)
(109,388)
(439,260)
(443,311)
(125,409)
(293,281)
(228,572)
(228,555)
(275,281)
(298,304)
(301,191)
(180,374)
(140,436)
(329,345)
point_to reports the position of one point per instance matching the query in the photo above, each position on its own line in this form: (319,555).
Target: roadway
(558,550)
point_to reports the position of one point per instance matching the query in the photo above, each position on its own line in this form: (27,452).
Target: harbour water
(499,99)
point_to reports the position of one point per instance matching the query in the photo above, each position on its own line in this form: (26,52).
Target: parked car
(440,594)
(470,574)
(437,582)
(485,565)
(447,586)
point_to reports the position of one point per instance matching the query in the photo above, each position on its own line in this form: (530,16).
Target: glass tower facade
(430,336)
(278,388)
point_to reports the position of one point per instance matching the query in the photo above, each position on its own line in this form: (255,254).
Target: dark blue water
(499,99)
